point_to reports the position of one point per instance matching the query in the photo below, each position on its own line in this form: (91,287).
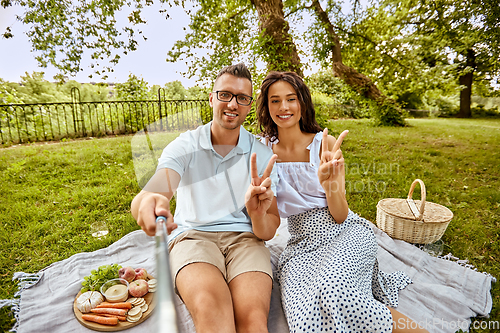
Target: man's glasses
(226,96)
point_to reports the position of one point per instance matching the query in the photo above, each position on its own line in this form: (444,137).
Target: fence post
(75,102)
(161,93)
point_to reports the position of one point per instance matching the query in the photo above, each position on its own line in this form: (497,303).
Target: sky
(148,61)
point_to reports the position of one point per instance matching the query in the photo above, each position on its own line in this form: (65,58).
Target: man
(225,211)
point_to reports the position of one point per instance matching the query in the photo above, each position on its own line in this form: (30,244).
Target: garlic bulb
(89,300)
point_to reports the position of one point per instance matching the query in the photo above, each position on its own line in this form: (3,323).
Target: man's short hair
(238,70)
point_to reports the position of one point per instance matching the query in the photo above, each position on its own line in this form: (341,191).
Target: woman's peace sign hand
(259,195)
(331,169)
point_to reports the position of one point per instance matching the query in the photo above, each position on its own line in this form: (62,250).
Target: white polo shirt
(211,192)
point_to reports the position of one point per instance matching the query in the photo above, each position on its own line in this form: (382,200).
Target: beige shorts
(233,253)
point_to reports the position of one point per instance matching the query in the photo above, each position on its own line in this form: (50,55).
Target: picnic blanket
(444,295)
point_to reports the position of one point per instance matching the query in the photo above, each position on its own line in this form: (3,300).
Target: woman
(328,271)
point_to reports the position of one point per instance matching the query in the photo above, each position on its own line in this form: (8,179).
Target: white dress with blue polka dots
(328,272)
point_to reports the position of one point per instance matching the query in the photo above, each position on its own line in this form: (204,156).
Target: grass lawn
(53,193)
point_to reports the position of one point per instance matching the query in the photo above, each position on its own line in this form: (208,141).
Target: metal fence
(20,123)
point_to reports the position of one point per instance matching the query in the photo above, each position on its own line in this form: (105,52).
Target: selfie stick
(167,317)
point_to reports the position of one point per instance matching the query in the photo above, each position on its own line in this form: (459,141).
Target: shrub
(388,113)
(480,111)
(442,105)
(334,99)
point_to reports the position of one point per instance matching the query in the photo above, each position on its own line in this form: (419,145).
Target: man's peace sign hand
(259,195)
(331,168)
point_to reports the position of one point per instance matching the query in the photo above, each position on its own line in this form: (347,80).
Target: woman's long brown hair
(265,123)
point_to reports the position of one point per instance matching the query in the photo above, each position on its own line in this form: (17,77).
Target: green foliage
(333,98)
(379,45)
(327,108)
(35,89)
(325,82)
(488,102)
(387,113)
(8,93)
(175,90)
(316,34)
(250,122)
(220,33)
(198,93)
(206,114)
(153,91)
(324,110)
(98,277)
(410,100)
(445,106)
(88,92)
(134,89)
(324,106)
(225,32)
(479,111)
(412,47)
(62,31)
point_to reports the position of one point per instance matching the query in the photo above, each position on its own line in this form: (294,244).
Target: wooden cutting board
(122,325)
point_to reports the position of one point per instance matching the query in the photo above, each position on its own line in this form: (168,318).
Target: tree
(88,92)
(35,89)
(280,52)
(460,37)
(197,93)
(356,80)
(63,30)
(8,93)
(134,89)
(388,111)
(175,90)
(226,32)
(367,42)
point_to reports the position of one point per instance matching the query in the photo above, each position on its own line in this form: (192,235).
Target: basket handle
(419,213)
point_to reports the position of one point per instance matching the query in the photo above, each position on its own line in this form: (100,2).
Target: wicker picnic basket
(401,219)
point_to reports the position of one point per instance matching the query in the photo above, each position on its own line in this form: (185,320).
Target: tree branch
(228,18)
(334,38)
(238,13)
(298,8)
(373,43)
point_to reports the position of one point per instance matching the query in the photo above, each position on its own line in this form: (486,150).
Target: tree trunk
(466,80)
(359,82)
(279,50)
(388,111)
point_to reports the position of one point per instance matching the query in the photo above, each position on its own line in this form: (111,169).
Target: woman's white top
(298,187)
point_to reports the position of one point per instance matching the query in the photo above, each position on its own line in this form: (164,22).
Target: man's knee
(254,321)
(207,302)
(251,294)
(206,295)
